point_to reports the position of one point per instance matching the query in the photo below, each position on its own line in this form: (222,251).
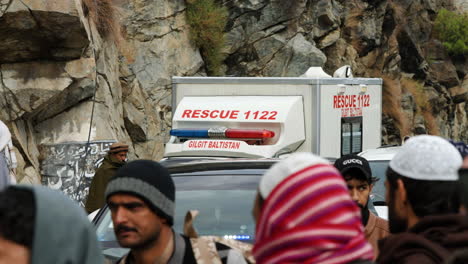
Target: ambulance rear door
(350,115)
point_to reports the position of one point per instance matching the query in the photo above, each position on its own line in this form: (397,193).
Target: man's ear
(370,187)
(402,195)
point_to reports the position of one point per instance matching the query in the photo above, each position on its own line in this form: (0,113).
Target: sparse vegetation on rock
(207,20)
(452,29)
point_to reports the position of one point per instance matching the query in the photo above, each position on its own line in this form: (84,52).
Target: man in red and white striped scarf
(304,214)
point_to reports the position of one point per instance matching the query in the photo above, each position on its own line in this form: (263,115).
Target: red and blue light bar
(223,133)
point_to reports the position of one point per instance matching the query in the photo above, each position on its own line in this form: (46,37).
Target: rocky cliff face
(66,78)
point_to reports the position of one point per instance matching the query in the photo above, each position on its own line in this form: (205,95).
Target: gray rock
(461,5)
(29,176)
(4,6)
(441,69)
(158,60)
(29,85)
(326,17)
(339,54)
(364,29)
(48,72)
(304,56)
(69,97)
(141,120)
(460,98)
(234,39)
(267,48)
(293,59)
(40,30)
(408,107)
(329,39)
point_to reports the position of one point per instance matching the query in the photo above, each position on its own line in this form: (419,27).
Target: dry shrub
(391,104)
(399,11)
(417,90)
(353,20)
(431,123)
(104,15)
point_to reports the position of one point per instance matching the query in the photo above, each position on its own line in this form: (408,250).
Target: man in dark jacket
(423,203)
(141,198)
(114,159)
(358,176)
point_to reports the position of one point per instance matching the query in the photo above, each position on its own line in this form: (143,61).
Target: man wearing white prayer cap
(423,204)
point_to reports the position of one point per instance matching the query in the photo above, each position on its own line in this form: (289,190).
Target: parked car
(222,190)
(379,159)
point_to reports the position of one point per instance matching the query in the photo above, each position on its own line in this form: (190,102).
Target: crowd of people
(306,211)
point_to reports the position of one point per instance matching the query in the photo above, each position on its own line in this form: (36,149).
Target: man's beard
(364,213)
(396,223)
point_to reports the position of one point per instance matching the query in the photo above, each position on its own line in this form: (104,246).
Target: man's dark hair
(427,197)
(17,215)
(355,173)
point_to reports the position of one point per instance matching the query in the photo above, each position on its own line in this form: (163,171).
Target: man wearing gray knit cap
(141,198)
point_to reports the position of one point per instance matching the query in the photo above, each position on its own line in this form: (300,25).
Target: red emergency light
(249,133)
(223,133)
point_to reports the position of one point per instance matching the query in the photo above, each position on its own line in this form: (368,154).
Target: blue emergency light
(237,237)
(188,133)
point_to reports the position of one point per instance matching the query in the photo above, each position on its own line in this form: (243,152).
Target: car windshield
(224,203)
(378,168)
(377,196)
(224,199)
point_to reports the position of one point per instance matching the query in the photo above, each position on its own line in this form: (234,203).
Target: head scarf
(309,217)
(62,231)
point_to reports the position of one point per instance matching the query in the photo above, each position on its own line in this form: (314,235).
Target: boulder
(412,59)
(408,106)
(30,176)
(146,20)
(30,87)
(266,48)
(41,30)
(339,54)
(329,39)
(141,121)
(160,59)
(322,17)
(304,55)
(291,60)
(441,68)
(363,29)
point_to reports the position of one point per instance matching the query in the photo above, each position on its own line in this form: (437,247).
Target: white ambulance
(265,117)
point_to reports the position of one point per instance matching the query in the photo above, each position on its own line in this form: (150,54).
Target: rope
(83,167)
